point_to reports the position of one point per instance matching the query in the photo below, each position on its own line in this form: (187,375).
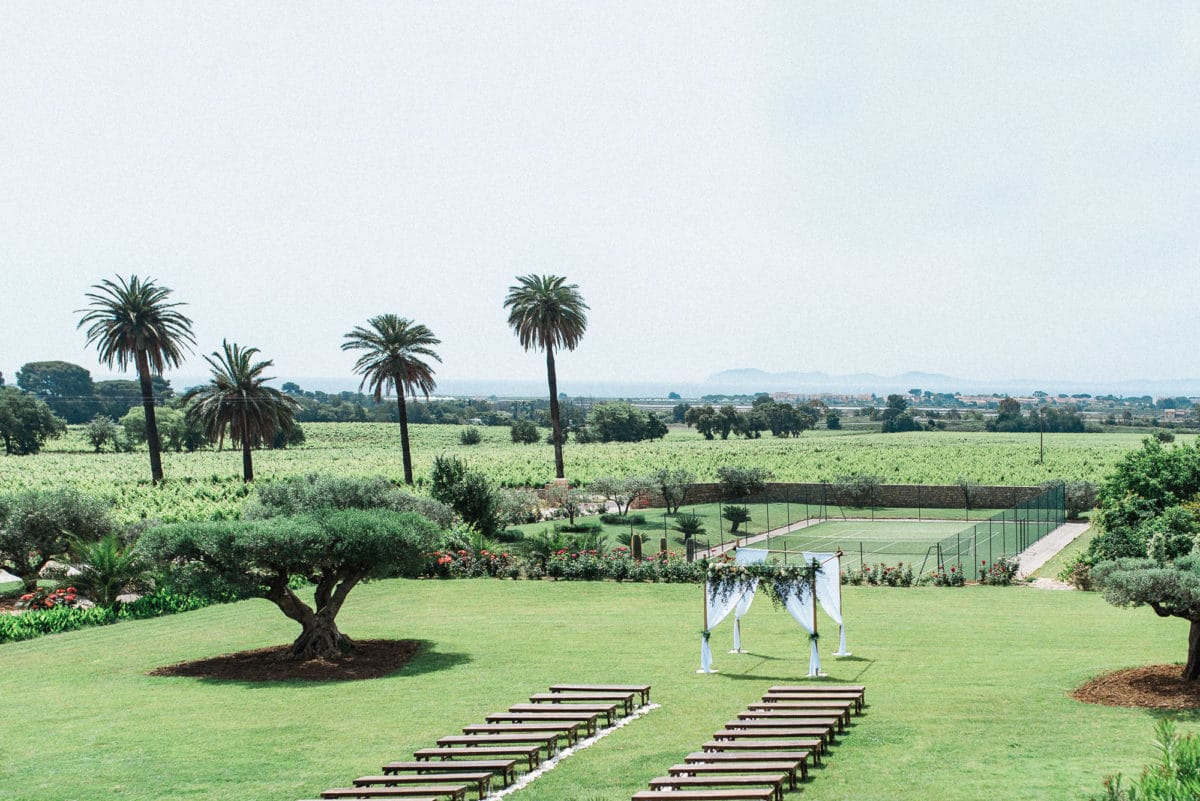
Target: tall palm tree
(546,312)
(395,347)
(132,321)
(239,400)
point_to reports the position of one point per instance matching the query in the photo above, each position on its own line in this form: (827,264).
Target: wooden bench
(625,698)
(857,698)
(608,710)
(773,781)
(808,698)
(797,725)
(787,768)
(744,794)
(797,759)
(793,714)
(568,731)
(808,708)
(543,740)
(822,735)
(766,746)
(587,719)
(532,753)
(858,689)
(641,689)
(455,792)
(506,769)
(482,780)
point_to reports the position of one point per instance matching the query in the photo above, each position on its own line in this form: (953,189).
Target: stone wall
(926,496)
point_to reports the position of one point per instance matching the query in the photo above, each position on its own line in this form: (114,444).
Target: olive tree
(335,551)
(1171,590)
(38,526)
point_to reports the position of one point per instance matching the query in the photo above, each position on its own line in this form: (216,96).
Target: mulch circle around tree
(1149,687)
(371,659)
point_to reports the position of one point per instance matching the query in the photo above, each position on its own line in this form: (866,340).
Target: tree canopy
(237,400)
(396,351)
(334,550)
(66,388)
(26,422)
(1147,550)
(621,422)
(132,322)
(547,313)
(37,526)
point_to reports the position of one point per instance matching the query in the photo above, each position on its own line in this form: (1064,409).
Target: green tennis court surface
(874,541)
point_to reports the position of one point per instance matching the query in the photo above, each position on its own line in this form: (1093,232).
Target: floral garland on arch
(779,581)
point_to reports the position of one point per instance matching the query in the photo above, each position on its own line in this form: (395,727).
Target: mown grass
(968,692)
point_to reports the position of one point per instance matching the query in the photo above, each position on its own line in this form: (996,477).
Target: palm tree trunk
(405,453)
(143,369)
(555,425)
(247,459)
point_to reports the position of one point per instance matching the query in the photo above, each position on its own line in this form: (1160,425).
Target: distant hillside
(746,380)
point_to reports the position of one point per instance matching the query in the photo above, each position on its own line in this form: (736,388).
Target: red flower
(71,590)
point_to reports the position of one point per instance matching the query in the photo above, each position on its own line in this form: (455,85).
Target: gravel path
(1041,551)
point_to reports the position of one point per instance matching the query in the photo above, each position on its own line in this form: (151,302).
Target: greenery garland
(779,581)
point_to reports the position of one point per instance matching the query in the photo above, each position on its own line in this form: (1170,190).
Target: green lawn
(967,690)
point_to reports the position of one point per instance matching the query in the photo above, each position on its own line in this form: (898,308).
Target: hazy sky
(987,190)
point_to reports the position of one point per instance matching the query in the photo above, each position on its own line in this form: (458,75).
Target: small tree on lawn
(38,526)
(674,485)
(736,515)
(333,551)
(1171,590)
(690,526)
(621,491)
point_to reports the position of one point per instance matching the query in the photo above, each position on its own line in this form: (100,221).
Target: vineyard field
(207,483)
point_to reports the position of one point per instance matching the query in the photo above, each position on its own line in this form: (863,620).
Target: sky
(988,190)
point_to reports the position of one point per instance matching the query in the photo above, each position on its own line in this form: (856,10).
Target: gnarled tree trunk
(319,636)
(1191,671)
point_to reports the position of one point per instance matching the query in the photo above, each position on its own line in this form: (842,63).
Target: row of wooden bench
(562,716)
(765,750)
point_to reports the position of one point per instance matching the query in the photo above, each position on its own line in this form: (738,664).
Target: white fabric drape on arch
(746,556)
(829,592)
(718,609)
(801,610)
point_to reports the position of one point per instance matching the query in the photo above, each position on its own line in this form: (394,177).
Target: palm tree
(131,321)
(239,400)
(547,313)
(395,347)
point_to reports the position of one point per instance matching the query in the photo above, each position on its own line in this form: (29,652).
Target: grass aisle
(968,692)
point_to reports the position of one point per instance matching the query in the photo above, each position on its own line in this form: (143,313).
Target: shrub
(315,492)
(740,481)
(470,436)
(44,598)
(945,577)
(1174,777)
(900,575)
(524,432)
(613,519)
(32,624)
(1078,573)
(467,492)
(1001,572)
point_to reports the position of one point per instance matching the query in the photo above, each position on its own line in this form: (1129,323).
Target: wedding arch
(799,587)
